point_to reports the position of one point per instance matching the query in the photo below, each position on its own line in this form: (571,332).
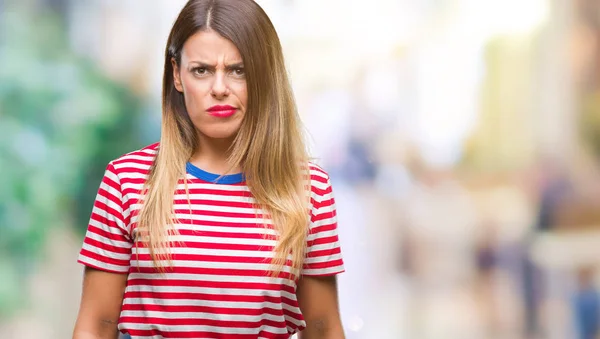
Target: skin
(318,300)
(211,73)
(100,305)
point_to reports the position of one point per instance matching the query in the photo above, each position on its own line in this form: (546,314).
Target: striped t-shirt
(219,285)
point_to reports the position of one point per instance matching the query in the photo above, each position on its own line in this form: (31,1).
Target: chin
(220,134)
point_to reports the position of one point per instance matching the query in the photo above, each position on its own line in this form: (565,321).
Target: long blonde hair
(269,147)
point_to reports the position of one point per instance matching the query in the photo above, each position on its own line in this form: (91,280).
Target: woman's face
(212,79)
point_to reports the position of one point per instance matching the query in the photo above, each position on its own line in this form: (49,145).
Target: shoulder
(319,179)
(317,172)
(138,161)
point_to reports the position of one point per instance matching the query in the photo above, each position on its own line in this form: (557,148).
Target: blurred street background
(462,138)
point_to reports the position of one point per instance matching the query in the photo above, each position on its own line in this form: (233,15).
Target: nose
(219,89)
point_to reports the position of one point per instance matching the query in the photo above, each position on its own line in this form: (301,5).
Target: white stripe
(294,321)
(324,209)
(213,186)
(318,173)
(223,240)
(213,265)
(133,175)
(141,336)
(324,222)
(110,229)
(112,176)
(104,253)
(233,220)
(322,247)
(210,197)
(104,240)
(208,251)
(322,259)
(200,302)
(213,208)
(91,261)
(215,197)
(320,235)
(111,190)
(107,215)
(104,199)
(203,315)
(140,157)
(324,271)
(213,278)
(191,186)
(211,290)
(258,230)
(319,185)
(207,328)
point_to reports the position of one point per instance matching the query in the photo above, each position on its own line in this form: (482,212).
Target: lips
(221,111)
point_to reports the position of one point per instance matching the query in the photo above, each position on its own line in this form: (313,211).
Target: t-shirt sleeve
(323,252)
(107,243)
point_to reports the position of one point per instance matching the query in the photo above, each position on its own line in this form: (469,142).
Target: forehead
(209,46)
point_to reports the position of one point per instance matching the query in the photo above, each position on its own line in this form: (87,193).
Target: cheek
(241,92)
(195,93)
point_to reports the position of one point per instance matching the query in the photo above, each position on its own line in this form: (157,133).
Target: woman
(224,229)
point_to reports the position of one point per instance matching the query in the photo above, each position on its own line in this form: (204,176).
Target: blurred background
(462,138)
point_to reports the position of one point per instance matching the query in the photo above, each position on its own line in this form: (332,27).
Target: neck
(212,156)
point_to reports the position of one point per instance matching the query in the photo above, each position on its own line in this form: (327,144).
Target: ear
(176,75)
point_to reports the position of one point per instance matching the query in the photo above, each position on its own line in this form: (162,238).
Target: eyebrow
(212,67)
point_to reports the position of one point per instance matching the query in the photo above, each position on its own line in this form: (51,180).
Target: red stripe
(326,264)
(213,258)
(109,212)
(106,234)
(201,322)
(324,240)
(210,284)
(86,263)
(106,247)
(131,160)
(104,259)
(323,253)
(206,202)
(203,334)
(104,194)
(228,235)
(323,216)
(318,178)
(201,309)
(323,228)
(215,192)
(133,181)
(218,246)
(204,296)
(218,213)
(215,271)
(325,203)
(237,223)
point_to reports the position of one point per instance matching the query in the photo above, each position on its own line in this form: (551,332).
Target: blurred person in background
(553,187)
(208,235)
(586,305)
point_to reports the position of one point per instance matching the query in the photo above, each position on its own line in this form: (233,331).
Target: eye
(239,72)
(200,71)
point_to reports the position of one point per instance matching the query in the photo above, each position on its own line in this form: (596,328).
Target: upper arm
(106,253)
(100,306)
(318,301)
(317,288)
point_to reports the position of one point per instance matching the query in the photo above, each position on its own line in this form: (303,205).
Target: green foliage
(61,121)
